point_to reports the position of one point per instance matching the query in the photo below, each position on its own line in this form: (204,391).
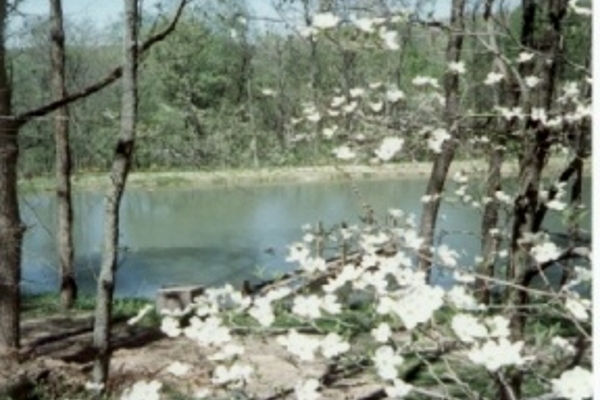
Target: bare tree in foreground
(120,169)
(442,162)
(11,229)
(68,285)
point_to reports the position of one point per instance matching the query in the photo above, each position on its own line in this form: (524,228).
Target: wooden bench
(177,297)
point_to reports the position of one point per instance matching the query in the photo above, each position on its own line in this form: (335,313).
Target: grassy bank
(48,305)
(187,179)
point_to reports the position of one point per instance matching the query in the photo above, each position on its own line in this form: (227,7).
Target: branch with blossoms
(407,329)
(372,313)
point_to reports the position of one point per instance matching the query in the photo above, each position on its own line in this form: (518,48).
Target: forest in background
(229,90)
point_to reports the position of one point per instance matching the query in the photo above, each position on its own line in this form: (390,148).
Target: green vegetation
(214,99)
(48,304)
(227,94)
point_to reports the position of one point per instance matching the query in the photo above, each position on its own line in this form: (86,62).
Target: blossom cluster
(400,308)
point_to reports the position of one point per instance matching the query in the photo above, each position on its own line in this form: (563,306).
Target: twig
(113,76)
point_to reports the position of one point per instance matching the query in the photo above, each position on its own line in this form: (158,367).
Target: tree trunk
(120,169)
(546,39)
(11,230)
(68,286)
(489,220)
(442,162)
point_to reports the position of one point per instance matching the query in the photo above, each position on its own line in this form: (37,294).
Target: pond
(215,235)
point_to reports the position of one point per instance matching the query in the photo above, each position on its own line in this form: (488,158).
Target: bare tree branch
(112,76)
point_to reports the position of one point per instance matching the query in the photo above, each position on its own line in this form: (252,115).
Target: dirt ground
(57,351)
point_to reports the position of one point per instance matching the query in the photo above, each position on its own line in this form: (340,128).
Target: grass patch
(48,305)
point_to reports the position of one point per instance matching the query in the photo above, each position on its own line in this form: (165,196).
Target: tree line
(227,91)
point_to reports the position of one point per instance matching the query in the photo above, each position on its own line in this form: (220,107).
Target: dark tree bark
(442,162)
(120,169)
(11,231)
(489,220)
(546,38)
(68,285)
(509,96)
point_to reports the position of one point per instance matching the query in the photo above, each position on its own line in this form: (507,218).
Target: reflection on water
(215,235)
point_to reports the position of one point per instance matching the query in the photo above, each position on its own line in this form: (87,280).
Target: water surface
(215,235)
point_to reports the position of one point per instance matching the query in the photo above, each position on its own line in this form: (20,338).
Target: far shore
(274,175)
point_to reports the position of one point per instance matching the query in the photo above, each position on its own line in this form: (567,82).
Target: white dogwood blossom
(313,265)
(398,390)
(227,352)
(357,92)
(179,369)
(492,78)
(307,306)
(556,205)
(578,307)
(330,304)
(412,239)
(202,393)
(333,345)
(510,113)
(338,101)
(574,384)
(462,300)
(376,107)
(350,107)
(545,252)
(388,148)
(582,274)
(143,390)
(302,346)
(390,39)
(539,114)
(393,95)
(386,362)
(262,311)
(170,326)
(382,332)
(457,67)
(468,328)
(278,293)
(325,21)
(418,305)
(532,81)
(495,354)
(307,390)
(329,132)
(503,197)
(208,332)
(298,252)
(268,92)
(563,345)
(498,326)
(425,80)
(235,375)
(463,277)
(524,57)
(447,255)
(364,24)
(437,139)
